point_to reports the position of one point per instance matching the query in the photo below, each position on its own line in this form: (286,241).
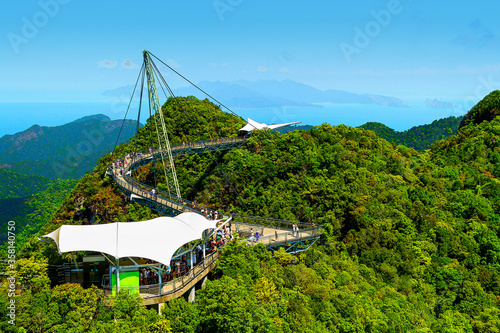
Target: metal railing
(287,237)
(149,153)
(172,286)
(144,191)
(270,222)
(161,197)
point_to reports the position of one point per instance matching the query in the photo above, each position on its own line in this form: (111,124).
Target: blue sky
(415,49)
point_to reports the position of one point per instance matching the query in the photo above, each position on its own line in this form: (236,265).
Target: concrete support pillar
(204,281)
(192,295)
(118,275)
(160,307)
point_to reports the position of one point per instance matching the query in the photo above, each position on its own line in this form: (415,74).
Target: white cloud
(127,63)
(262,69)
(284,70)
(107,64)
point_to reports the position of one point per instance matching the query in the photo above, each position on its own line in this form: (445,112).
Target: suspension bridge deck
(272,233)
(163,202)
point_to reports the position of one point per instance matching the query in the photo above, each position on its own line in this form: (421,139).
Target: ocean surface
(17,117)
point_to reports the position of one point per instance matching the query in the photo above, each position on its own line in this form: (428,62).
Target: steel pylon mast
(161,130)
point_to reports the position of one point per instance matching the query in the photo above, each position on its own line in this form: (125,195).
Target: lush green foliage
(70,308)
(29,201)
(67,151)
(412,239)
(17,185)
(487,109)
(419,137)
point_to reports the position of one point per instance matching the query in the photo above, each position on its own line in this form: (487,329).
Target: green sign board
(128,280)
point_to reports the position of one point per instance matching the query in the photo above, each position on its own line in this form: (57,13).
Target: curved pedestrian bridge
(160,201)
(293,236)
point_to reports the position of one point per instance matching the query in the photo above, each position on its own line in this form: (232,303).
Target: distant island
(436,103)
(271,93)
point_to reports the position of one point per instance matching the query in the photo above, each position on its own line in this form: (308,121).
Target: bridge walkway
(273,233)
(163,202)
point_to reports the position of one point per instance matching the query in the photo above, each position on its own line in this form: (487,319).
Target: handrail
(304,234)
(150,152)
(275,223)
(137,188)
(203,267)
(132,184)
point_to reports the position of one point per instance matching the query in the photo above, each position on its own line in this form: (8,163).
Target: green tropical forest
(74,147)
(419,137)
(30,201)
(411,239)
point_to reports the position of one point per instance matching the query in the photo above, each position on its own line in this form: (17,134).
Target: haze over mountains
(271,93)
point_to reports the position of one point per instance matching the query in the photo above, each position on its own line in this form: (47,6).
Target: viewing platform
(293,236)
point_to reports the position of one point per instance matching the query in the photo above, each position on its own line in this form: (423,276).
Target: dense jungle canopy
(411,244)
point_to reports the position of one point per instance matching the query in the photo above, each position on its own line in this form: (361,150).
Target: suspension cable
(194,85)
(143,70)
(126,113)
(158,74)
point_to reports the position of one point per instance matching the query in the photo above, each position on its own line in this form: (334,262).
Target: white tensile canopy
(252,125)
(155,239)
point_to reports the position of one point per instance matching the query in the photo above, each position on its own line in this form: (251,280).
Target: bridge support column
(192,295)
(204,282)
(160,307)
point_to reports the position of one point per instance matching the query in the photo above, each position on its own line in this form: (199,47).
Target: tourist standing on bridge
(293,229)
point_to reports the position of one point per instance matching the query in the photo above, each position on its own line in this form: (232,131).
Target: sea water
(17,117)
(397,118)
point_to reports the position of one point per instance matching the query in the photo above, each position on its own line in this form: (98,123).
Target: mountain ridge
(420,137)
(486,110)
(270,93)
(74,147)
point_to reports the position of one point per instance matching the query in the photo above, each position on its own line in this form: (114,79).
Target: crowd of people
(118,165)
(148,275)
(210,214)
(178,267)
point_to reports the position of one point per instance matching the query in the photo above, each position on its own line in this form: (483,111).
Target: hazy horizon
(21,116)
(400,48)
(68,51)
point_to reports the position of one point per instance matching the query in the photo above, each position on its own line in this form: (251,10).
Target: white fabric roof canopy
(155,239)
(252,125)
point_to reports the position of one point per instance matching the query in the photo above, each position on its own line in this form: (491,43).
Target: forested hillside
(14,184)
(29,201)
(418,137)
(66,151)
(411,241)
